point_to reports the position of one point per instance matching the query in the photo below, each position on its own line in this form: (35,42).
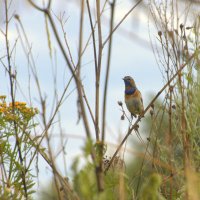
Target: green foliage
(116,183)
(150,189)
(16,123)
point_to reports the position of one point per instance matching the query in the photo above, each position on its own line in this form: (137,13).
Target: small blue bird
(133,97)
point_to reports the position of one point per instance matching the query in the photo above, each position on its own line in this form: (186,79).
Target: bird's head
(129,82)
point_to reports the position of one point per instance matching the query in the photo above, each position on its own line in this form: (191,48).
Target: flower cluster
(17,111)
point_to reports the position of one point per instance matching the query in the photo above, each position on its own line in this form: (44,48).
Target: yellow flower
(22,103)
(2,109)
(21,111)
(10,104)
(17,104)
(2,97)
(3,105)
(10,117)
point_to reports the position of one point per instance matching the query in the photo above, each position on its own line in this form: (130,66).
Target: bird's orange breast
(135,94)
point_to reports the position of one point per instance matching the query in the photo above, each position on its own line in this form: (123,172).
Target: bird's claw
(133,115)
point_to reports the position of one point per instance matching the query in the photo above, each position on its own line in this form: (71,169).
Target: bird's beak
(122,78)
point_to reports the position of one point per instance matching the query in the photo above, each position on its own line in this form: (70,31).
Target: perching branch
(147,108)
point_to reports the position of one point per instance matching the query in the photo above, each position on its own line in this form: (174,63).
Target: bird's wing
(141,99)
(140,96)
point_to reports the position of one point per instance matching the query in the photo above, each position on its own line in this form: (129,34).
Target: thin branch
(77,80)
(170,139)
(93,35)
(29,54)
(62,23)
(80,39)
(49,4)
(36,6)
(64,181)
(88,106)
(141,168)
(98,72)
(117,26)
(107,71)
(88,40)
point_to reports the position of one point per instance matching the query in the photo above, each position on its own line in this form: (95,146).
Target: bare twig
(78,84)
(36,6)
(117,26)
(98,69)
(88,106)
(93,35)
(107,71)
(170,138)
(80,39)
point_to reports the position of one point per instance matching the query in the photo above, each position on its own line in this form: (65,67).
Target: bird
(133,97)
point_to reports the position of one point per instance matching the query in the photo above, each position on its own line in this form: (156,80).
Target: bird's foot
(133,115)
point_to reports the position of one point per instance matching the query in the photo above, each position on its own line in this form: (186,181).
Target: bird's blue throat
(130,91)
(127,83)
